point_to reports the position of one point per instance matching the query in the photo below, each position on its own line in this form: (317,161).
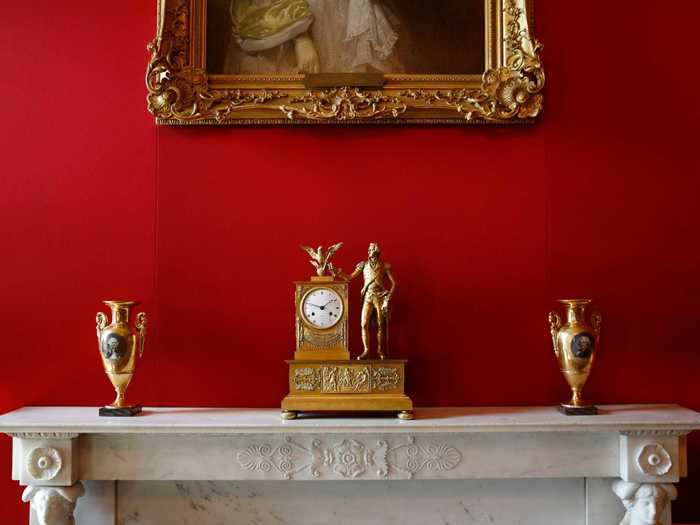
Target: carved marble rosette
(649,456)
(46,458)
(650,462)
(181,91)
(46,462)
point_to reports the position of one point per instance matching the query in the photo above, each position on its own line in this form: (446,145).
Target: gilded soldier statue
(376,298)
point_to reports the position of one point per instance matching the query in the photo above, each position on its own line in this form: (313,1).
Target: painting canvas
(346,36)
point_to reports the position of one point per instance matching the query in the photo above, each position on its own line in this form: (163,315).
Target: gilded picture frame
(182,92)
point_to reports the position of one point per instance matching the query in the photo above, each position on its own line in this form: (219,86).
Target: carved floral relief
(654,460)
(349,458)
(44,463)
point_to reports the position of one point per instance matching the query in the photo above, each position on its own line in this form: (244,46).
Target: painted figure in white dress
(312,36)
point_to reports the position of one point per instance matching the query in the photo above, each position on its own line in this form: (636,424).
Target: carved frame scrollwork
(181,92)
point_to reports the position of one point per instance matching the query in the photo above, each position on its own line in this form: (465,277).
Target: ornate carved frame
(180,91)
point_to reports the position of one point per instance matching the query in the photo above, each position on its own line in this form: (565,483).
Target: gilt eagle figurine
(320,259)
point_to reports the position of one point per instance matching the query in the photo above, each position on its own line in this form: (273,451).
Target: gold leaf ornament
(344,104)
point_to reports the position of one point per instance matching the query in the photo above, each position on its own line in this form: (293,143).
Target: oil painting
(346,36)
(263,62)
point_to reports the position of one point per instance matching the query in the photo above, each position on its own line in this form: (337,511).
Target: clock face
(322,307)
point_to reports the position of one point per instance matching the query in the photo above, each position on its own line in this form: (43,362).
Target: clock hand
(315,305)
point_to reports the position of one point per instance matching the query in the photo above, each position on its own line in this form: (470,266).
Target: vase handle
(101,324)
(554,326)
(141,328)
(596,321)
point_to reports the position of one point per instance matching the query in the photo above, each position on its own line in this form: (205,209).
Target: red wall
(485,226)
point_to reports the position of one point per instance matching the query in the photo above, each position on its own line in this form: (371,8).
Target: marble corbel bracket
(652,456)
(45,459)
(645,503)
(53,505)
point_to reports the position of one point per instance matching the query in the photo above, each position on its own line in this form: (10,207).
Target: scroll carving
(507,93)
(344,104)
(180,92)
(349,458)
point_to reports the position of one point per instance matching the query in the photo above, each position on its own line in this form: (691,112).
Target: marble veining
(504,502)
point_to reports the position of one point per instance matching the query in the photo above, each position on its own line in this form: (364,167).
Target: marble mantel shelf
(488,456)
(84,420)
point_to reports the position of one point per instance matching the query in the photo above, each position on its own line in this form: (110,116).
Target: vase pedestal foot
(121,411)
(571,410)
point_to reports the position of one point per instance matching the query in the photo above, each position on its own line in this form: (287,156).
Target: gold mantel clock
(322,377)
(322,319)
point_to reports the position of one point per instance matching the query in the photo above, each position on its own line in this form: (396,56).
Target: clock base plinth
(323,386)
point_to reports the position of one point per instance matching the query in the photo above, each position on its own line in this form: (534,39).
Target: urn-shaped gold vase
(575,345)
(120,344)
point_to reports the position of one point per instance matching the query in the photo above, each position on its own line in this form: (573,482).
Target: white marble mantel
(449,465)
